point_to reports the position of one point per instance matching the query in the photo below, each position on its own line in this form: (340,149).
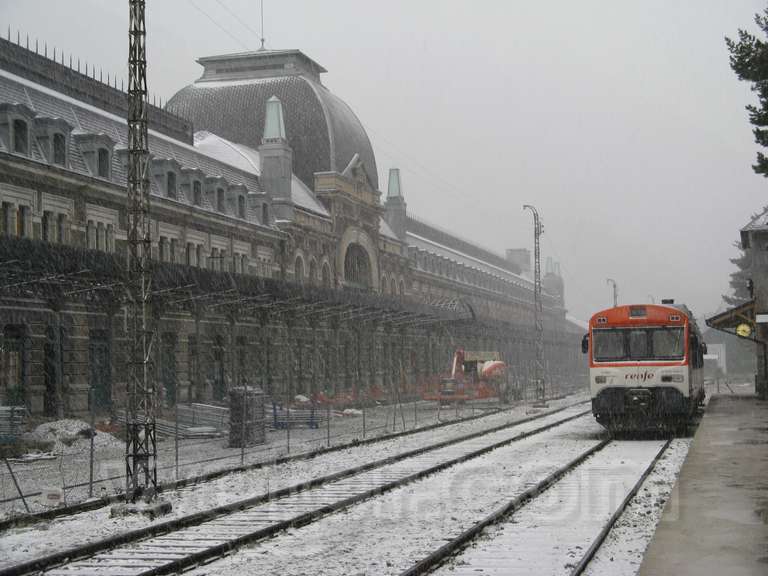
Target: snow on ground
(22,544)
(387,534)
(551,533)
(71,436)
(622,552)
(69,473)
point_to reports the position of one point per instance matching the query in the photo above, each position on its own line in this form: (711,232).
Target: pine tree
(749,60)
(739,279)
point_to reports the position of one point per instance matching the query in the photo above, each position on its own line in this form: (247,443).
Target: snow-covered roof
(386,230)
(457,256)
(246,158)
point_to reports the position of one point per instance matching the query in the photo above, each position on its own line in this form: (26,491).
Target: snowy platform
(716,521)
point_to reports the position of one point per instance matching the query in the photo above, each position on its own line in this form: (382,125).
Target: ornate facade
(278,261)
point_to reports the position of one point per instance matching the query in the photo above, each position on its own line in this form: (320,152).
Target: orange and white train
(645,366)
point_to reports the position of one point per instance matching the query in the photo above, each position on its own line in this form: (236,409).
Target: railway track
(89,505)
(552,531)
(184,542)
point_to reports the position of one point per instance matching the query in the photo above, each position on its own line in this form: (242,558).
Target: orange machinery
(474,375)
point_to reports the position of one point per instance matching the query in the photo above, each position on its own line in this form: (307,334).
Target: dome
(230,100)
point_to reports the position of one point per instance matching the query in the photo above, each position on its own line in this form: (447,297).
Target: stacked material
(246,421)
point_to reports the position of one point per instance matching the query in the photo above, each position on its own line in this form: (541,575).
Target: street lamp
(615,291)
(538,307)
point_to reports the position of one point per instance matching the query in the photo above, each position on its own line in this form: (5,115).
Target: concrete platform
(716,521)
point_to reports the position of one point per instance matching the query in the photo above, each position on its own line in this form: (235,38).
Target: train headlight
(600,379)
(672,378)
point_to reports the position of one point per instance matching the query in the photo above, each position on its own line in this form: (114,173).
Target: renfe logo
(642,377)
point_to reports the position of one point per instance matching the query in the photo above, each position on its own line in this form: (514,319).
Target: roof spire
(274,126)
(394,189)
(262,26)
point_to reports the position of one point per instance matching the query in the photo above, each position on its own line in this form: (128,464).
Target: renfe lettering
(642,376)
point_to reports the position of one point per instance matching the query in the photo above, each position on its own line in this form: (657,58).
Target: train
(646,366)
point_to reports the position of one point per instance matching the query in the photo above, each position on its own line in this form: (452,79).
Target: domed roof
(230,100)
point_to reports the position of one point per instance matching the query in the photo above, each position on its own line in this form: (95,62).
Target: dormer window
(59,149)
(103,163)
(220,204)
(20,137)
(197,193)
(170,184)
(241,206)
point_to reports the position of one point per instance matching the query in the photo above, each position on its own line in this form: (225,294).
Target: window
(59,149)
(110,240)
(657,343)
(174,248)
(241,206)
(61,228)
(244,264)
(47,223)
(20,137)
(223,262)
(101,243)
(7,224)
(190,253)
(220,200)
(192,359)
(22,222)
(162,246)
(199,256)
(214,258)
(12,365)
(197,193)
(103,165)
(298,270)
(265,213)
(170,184)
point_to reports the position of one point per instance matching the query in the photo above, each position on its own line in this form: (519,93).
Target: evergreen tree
(749,60)
(739,279)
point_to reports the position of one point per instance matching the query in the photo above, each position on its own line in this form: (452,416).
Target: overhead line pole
(141,445)
(538,367)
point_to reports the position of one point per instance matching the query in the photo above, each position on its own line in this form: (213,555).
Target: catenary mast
(141,446)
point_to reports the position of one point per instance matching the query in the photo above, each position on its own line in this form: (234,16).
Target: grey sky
(621,121)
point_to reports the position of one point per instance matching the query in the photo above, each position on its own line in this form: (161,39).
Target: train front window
(635,344)
(668,343)
(608,345)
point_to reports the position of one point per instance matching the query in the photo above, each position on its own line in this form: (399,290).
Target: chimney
(521,258)
(276,161)
(395,207)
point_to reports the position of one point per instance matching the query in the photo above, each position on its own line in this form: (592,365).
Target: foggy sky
(621,121)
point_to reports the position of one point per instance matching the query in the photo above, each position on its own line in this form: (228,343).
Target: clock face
(744,330)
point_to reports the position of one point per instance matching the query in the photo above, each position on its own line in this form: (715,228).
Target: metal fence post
(245,415)
(363,419)
(93,435)
(176,436)
(328,423)
(16,483)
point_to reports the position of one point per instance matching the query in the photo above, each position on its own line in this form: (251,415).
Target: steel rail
(598,542)
(454,545)
(200,518)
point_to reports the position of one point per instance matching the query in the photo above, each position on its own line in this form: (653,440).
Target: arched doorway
(357,267)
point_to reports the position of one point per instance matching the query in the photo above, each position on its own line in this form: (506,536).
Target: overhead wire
(218,25)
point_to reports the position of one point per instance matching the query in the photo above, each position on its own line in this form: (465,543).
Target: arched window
(402,288)
(298,270)
(241,206)
(171,184)
(357,267)
(90,235)
(312,272)
(384,285)
(326,276)
(265,213)
(392,287)
(59,149)
(244,264)
(199,256)
(20,137)
(103,165)
(220,200)
(197,193)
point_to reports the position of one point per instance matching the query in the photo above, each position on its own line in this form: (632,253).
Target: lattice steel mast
(538,313)
(141,446)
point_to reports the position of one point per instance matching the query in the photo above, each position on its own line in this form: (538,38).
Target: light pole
(538,307)
(615,291)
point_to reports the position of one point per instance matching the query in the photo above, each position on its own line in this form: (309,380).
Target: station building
(279,257)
